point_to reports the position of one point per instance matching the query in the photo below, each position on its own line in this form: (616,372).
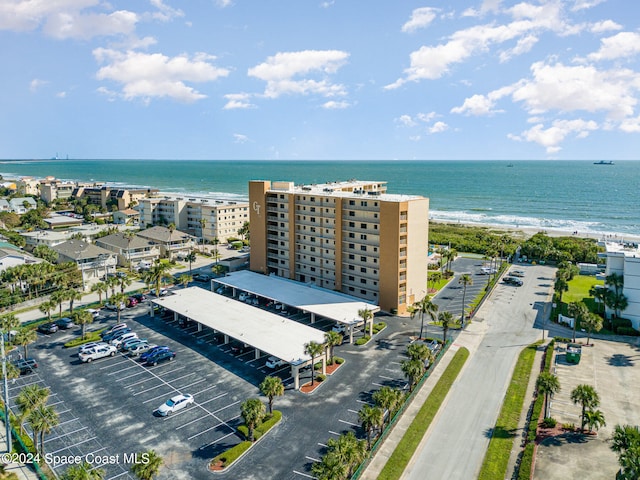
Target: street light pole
(7,423)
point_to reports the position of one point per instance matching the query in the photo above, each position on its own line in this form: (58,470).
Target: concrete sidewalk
(22,471)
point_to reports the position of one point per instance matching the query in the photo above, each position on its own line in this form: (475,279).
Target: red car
(132,301)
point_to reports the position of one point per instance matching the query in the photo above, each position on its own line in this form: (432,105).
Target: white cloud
(438,127)
(486,7)
(524,45)
(552,137)
(147,76)
(406,121)
(479,105)
(333,105)
(630,125)
(420,18)
(165,13)
(224,3)
(624,44)
(604,26)
(69,25)
(327,4)
(584,4)
(36,83)
(61,94)
(426,117)
(280,70)
(238,101)
(240,138)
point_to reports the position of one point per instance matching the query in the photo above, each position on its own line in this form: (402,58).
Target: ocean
(547,195)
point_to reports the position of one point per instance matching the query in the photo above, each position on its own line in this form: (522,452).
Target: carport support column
(313,317)
(199,327)
(151,309)
(350,333)
(226,339)
(324,363)
(295,373)
(175,316)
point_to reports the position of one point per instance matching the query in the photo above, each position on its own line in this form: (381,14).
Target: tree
(25,337)
(124,281)
(587,397)
(434,278)
(157,273)
(626,443)
(184,279)
(149,466)
(594,419)
(83,471)
(244,231)
(9,322)
(330,467)
(313,349)
(425,306)
(465,279)
(413,370)
(42,419)
(28,399)
(83,318)
(46,308)
(331,340)
(46,253)
(118,299)
(349,450)
(191,257)
(598,294)
(272,387)
(579,311)
(418,351)
(72,296)
(560,285)
(446,321)
(59,297)
(593,323)
(203,224)
(617,301)
(388,399)
(547,384)
(367,317)
(371,419)
(12,372)
(252,411)
(129,236)
(100,288)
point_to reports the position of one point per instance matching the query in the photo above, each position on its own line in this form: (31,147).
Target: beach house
(624,259)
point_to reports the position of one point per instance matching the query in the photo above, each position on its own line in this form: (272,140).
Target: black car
(201,277)
(161,356)
(139,297)
(48,328)
(152,352)
(26,366)
(65,323)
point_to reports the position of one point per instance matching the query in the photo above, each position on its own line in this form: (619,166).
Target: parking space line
(312,459)
(224,408)
(119,475)
(386,378)
(112,364)
(121,370)
(129,376)
(202,391)
(208,429)
(303,474)
(192,421)
(65,434)
(214,398)
(64,411)
(74,445)
(26,385)
(349,423)
(352,411)
(215,441)
(68,421)
(96,451)
(377,384)
(194,383)
(155,399)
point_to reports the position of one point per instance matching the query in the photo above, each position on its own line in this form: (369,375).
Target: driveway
(455,445)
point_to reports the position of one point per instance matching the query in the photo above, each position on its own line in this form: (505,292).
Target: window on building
(363,236)
(363,292)
(352,202)
(352,245)
(352,256)
(363,259)
(363,280)
(352,235)
(363,225)
(352,224)
(352,278)
(363,248)
(351,267)
(363,270)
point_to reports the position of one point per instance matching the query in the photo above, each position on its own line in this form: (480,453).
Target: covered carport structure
(264,331)
(317,301)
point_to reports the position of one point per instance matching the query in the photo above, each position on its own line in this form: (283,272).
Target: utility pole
(7,423)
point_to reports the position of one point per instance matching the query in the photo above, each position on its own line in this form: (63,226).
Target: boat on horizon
(604,162)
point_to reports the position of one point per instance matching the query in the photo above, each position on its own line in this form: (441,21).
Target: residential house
(133,248)
(171,244)
(93,261)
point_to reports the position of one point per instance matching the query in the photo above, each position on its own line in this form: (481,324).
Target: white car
(174,404)
(94,312)
(117,342)
(112,306)
(90,346)
(340,328)
(97,352)
(274,362)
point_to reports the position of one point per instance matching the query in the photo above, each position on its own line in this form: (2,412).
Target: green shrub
(363,340)
(524,471)
(620,322)
(231,455)
(266,425)
(569,426)
(549,422)
(317,366)
(535,416)
(627,331)
(90,337)
(377,327)
(321,377)
(563,339)
(338,360)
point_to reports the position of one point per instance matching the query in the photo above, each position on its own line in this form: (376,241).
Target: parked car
(243,296)
(340,328)
(274,362)
(110,336)
(113,306)
(65,323)
(126,345)
(174,404)
(153,351)
(488,271)
(163,292)
(48,328)
(140,348)
(160,356)
(97,353)
(239,348)
(113,328)
(118,340)
(94,312)
(220,290)
(132,302)
(139,296)
(201,277)
(516,273)
(513,281)
(26,366)
(90,346)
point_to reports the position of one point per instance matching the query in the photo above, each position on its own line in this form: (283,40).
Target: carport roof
(335,306)
(265,331)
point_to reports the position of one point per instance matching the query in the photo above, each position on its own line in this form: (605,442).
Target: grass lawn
(578,291)
(496,459)
(412,437)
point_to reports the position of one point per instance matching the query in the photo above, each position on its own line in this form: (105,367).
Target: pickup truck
(97,352)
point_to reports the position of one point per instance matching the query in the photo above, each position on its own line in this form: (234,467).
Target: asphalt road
(455,445)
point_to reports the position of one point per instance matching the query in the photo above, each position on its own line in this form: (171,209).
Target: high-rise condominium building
(351,237)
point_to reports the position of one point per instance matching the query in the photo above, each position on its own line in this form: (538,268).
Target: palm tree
(28,399)
(371,418)
(252,411)
(112,283)
(184,279)
(367,316)
(158,272)
(83,318)
(272,387)
(117,300)
(598,294)
(25,337)
(418,351)
(425,306)
(191,257)
(83,471)
(149,467)
(172,228)
(446,321)
(413,370)
(124,282)
(465,279)
(72,296)
(586,396)
(129,236)
(100,288)
(594,419)
(616,301)
(579,311)
(547,384)
(58,297)
(625,437)
(349,450)
(46,307)
(9,322)
(560,285)
(331,340)
(203,224)
(593,323)
(388,399)
(330,467)
(616,281)
(12,372)
(42,419)
(313,349)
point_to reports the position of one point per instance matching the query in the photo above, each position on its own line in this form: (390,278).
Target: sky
(320,79)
